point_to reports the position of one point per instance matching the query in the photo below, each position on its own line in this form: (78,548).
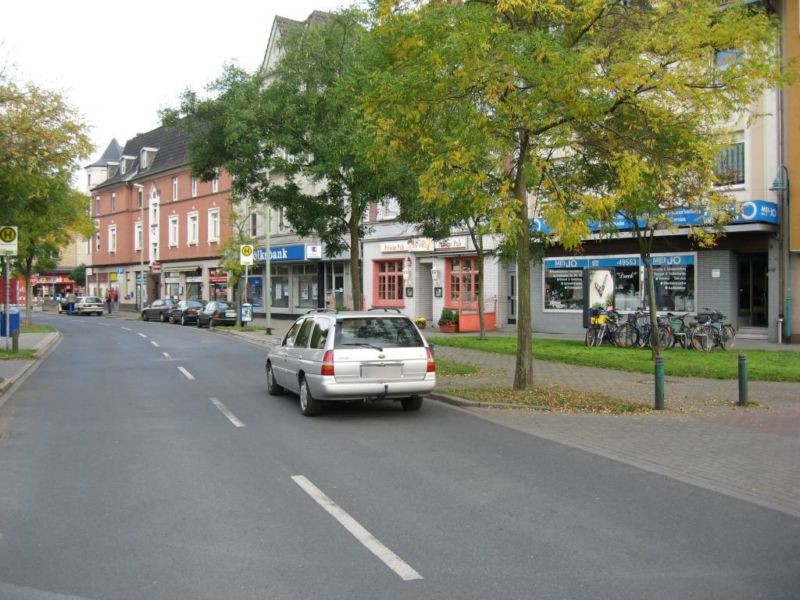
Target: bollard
(15,341)
(742,380)
(659,383)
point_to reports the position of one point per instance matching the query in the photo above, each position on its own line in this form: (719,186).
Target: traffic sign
(246,254)
(8,240)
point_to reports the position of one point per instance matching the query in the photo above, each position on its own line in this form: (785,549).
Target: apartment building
(159,230)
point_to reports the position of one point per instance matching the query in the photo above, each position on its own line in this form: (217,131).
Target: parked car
(185,312)
(216,313)
(89,305)
(158,310)
(345,356)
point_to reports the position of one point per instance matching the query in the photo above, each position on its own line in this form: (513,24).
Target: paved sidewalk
(13,370)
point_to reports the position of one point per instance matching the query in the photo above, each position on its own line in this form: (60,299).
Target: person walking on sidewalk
(71,299)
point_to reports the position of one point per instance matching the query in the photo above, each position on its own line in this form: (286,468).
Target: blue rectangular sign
(281,253)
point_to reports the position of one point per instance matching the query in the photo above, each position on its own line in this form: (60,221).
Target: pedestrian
(108,302)
(114,300)
(71,299)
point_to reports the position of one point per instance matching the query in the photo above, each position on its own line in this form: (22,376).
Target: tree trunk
(477,241)
(355,260)
(655,342)
(523,373)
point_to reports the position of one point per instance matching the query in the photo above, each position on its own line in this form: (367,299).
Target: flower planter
(448,328)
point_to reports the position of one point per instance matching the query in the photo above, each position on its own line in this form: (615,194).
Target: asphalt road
(147,461)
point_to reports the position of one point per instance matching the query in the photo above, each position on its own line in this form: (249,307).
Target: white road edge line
(389,558)
(127,329)
(166,354)
(225,411)
(155,344)
(141,335)
(188,375)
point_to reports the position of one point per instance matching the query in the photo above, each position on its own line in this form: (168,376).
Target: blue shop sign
(573,262)
(752,211)
(281,253)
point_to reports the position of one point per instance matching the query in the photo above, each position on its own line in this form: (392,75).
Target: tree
(41,141)
(527,77)
(78,275)
(295,138)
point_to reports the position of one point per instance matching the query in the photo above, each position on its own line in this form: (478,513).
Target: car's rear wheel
(308,404)
(411,403)
(144,316)
(183,320)
(163,317)
(199,325)
(273,388)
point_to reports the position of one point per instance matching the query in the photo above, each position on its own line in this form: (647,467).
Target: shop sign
(281,253)
(194,279)
(314,251)
(459,243)
(155,267)
(399,246)
(617,261)
(172,279)
(420,245)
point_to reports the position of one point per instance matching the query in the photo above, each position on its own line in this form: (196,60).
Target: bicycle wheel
(666,339)
(728,337)
(591,336)
(703,338)
(626,336)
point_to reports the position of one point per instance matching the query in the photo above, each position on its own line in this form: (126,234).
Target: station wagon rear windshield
(376,332)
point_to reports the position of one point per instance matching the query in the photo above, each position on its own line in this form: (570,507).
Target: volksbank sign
(281,253)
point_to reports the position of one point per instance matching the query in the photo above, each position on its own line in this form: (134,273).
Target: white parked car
(345,356)
(89,305)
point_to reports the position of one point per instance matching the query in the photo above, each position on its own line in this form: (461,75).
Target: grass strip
(555,399)
(762,365)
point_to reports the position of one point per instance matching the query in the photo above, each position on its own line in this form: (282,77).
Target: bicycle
(712,331)
(681,331)
(636,332)
(603,326)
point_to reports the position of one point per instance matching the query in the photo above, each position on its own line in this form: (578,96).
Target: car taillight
(431,362)
(216,314)
(327,363)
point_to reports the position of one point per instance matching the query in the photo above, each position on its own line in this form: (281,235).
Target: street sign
(8,240)
(246,254)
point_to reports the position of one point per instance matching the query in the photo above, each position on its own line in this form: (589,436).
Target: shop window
(307,286)
(461,282)
(279,281)
(388,278)
(674,285)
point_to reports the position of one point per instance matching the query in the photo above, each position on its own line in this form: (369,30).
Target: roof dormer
(126,162)
(146,157)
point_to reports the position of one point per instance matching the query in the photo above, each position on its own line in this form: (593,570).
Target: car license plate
(230,313)
(381,371)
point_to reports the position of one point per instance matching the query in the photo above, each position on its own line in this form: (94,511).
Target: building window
(462,282)
(97,236)
(729,166)
(388,277)
(112,238)
(137,236)
(253,225)
(192,231)
(173,231)
(213,225)
(97,205)
(139,197)
(194,187)
(215,182)
(113,202)
(174,188)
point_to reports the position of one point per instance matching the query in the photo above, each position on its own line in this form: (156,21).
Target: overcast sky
(119,63)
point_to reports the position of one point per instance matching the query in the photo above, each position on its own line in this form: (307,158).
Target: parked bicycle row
(708,331)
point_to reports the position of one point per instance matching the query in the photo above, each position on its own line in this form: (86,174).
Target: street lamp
(140,297)
(781,185)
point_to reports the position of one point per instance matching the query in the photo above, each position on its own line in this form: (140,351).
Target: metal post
(659,383)
(7,307)
(742,380)
(267,291)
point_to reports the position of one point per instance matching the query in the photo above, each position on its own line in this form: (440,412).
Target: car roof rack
(394,310)
(320,310)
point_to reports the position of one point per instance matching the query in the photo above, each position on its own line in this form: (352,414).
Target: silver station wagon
(346,356)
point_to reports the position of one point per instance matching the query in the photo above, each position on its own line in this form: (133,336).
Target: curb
(462,403)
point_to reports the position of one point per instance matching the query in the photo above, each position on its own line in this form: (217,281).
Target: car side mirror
(276,341)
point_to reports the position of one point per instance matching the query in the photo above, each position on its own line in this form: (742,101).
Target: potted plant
(421,322)
(448,322)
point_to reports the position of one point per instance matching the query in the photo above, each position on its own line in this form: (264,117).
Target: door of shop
(753,288)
